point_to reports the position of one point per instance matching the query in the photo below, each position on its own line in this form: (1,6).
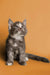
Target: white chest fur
(15,45)
(17,37)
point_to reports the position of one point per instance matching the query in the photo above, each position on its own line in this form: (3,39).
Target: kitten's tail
(38,58)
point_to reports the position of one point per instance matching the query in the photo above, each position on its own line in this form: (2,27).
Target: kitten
(15,44)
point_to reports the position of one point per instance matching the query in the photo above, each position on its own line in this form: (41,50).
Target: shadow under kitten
(2,52)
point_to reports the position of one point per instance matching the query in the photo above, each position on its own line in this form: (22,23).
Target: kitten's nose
(19,28)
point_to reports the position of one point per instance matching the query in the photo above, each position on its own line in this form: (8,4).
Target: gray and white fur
(15,44)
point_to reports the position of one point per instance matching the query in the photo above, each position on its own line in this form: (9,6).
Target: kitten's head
(18,28)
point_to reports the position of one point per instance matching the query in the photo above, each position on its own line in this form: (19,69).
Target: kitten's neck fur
(17,37)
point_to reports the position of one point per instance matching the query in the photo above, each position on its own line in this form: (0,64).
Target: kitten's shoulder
(8,38)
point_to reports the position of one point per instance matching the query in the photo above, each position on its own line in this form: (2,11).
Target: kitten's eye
(22,26)
(16,26)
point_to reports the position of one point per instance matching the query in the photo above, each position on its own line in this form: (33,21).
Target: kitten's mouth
(21,35)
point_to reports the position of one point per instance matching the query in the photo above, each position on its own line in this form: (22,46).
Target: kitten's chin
(21,35)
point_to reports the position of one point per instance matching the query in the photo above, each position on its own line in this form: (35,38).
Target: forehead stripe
(20,25)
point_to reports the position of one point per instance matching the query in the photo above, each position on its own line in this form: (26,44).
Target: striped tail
(38,58)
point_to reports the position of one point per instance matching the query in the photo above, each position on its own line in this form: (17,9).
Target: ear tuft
(24,22)
(10,23)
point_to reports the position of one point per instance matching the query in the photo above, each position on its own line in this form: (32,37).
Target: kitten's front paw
(26,58)
(9,63)
(22,63)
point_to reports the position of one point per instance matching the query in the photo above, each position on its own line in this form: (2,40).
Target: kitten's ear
(24,22)
(10,23)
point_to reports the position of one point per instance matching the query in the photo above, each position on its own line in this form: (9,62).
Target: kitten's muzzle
(19,29)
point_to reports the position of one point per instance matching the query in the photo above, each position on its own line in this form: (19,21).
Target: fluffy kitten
(15,44)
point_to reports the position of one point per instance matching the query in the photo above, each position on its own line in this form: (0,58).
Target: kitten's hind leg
(10,59)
